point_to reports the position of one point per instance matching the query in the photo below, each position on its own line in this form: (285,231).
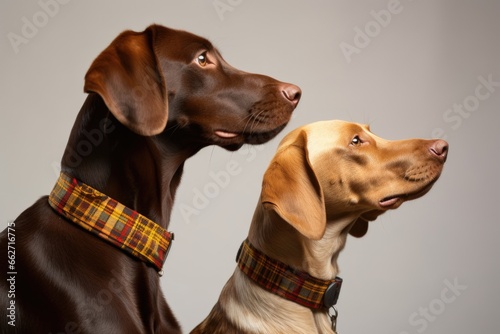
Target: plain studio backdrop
(408,68)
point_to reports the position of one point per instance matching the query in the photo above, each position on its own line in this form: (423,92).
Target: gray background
(404,81)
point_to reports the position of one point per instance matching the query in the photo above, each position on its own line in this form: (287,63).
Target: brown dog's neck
(140,172)
(279,240)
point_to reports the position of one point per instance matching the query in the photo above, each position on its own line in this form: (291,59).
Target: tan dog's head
(331,170)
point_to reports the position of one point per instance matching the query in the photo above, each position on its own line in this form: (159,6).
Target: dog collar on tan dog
(282,280)
(110,220)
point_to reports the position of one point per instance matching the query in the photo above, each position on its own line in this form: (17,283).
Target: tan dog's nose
(439,148)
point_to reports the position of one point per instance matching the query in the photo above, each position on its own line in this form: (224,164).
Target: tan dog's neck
(279,240)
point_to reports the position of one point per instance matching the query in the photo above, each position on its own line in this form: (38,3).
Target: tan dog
(327,179)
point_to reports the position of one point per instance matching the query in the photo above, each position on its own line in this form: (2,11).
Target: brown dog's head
(331,170)
(163,75)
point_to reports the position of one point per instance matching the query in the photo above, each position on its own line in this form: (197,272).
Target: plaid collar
(282,280)
(110,220)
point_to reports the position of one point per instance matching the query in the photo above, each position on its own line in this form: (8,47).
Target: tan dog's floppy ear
(127,77)
(291,188)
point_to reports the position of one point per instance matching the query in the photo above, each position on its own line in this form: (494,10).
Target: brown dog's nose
(439,148)
(292,93)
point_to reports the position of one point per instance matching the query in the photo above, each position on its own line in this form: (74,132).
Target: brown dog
(155,98)
(327,179)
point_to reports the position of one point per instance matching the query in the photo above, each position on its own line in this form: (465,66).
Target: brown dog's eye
(356,141)
(202,59)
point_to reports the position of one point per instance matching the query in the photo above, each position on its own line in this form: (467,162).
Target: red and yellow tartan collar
(110,220)
(282,280)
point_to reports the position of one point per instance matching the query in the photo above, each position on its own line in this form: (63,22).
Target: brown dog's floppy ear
(291,188)
(127,77)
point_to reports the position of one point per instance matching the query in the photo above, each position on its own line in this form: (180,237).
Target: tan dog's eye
(356,141)
(202,59)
